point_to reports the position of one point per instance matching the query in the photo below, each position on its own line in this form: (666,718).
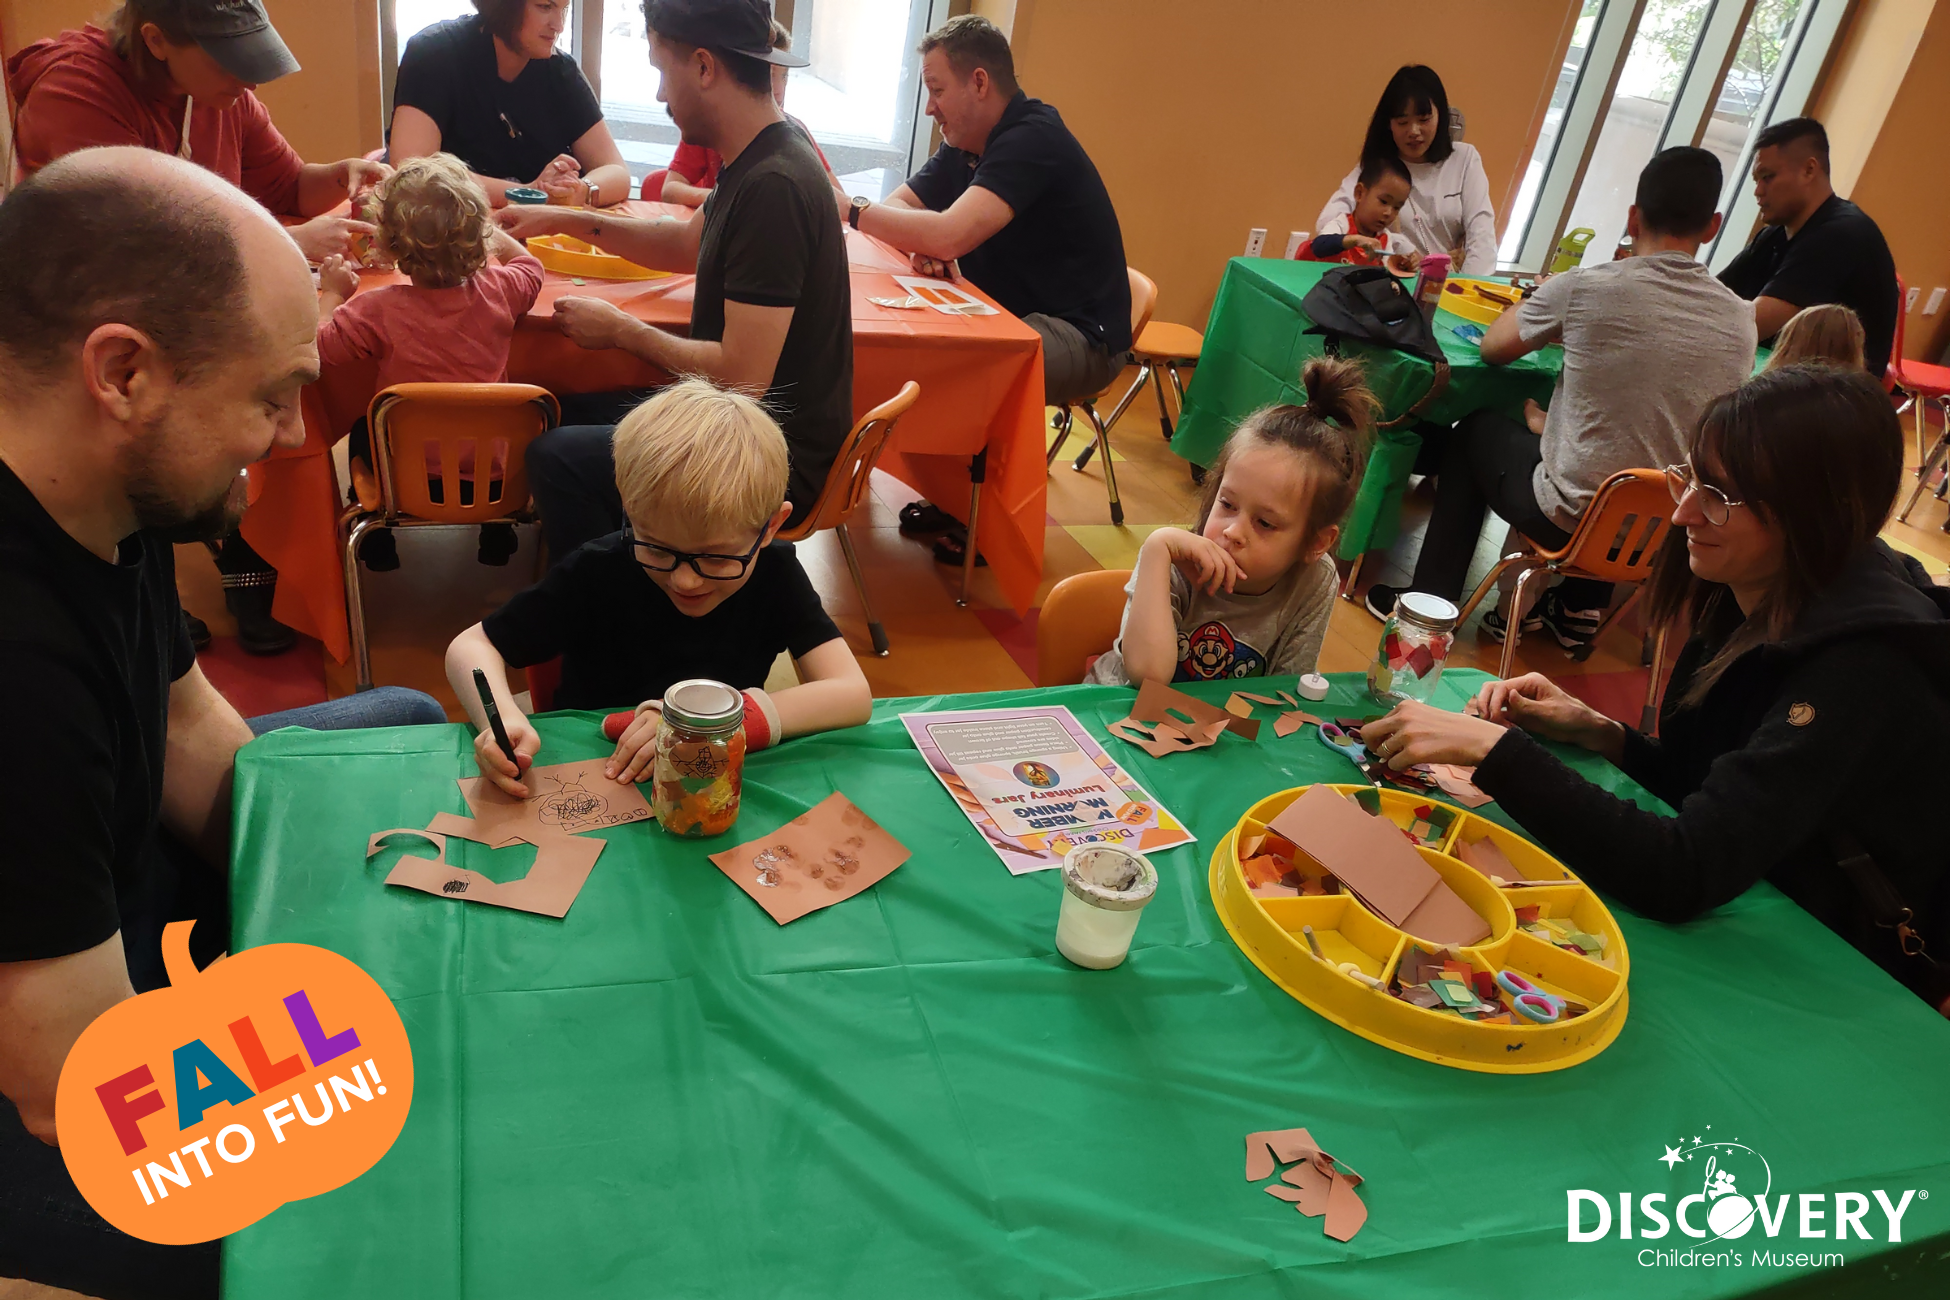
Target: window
(1647,76)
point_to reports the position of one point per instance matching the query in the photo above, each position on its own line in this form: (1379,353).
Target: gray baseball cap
(239,36)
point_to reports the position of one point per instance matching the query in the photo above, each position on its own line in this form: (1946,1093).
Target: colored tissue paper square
(1420,661)
(823,856)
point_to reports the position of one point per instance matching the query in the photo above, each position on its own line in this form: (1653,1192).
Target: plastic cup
(1104,891)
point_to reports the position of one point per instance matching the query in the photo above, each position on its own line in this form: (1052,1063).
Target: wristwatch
(853,213)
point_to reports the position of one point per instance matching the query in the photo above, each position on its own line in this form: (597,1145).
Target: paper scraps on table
(1456,782)
(1486,857)
(562,865)
(564,798)
(1315,1183)
(909,303)
(1375,862)
(1240,705)
(825,855)
(1163,722)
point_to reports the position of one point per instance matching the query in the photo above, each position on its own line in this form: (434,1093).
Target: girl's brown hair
(1830,333)
(433,220)
(1333,428)
(1817,453)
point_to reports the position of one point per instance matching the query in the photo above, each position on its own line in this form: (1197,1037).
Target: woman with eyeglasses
(1817,657)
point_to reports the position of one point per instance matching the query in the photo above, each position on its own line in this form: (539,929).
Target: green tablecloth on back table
(1256,342)
(911,1095)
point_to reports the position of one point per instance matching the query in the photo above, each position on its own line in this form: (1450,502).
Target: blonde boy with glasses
(694,586)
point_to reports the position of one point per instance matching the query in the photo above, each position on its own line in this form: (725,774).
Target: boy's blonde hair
(433,220)
(709,459)
(1829,332)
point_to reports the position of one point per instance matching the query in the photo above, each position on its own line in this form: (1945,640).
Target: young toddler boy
(1380,192)
(694,587)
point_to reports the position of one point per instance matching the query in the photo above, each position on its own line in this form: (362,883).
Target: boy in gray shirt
(1648,341)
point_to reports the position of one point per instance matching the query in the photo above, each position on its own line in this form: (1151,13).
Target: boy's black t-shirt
(87,654)
(1063,253)
(506,129)
(772,238)
(1839,255)
(623,642)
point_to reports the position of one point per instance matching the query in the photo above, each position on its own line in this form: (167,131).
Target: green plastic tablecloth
(911,1095)
(1256,342)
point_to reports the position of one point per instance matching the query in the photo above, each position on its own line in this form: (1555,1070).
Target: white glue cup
(1104,890)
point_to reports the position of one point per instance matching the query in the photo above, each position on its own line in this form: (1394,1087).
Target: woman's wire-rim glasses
(1713,503)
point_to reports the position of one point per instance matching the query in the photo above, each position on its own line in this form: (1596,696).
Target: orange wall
(1251,114)
(328,110)
(1905,185)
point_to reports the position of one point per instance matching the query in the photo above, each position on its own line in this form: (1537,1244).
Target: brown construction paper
(1443,917)
(1455,782)
(1371,857)
(1285,1144)
(562,865)
(1346,1213)
(1163,722)
(1240,704)
(1312,1184)
(564,799)
(1487,858)
(1319,1184)
(823,856)
(1288,723)
(1281,1190)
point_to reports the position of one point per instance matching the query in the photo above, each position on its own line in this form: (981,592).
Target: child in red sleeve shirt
(454,323)
(1379,193)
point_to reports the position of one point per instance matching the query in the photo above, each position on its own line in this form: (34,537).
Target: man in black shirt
(1013,197)
(772,310)
(1816,247)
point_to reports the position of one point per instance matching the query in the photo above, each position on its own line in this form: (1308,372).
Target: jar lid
(1113,879)
(525,194)
(1427,608)
(701,702)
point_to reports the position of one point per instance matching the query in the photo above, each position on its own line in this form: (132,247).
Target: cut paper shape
(1163,722)
(1486,857)
(1288,723)
(564,799)
(1318,1184)
(1456,783)
(562,866)
(1240,705)
(1374,860)
(825,855)
(948,299)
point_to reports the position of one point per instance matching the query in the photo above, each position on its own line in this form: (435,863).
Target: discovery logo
(1726,1191)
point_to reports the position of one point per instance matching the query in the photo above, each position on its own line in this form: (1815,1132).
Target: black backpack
(1368,304)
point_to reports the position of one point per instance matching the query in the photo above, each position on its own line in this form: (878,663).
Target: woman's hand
(494,764)
(1207,566)
(336,277)
(1543,708)
(1412,733)
(636,748)
(561,169)
(322,237)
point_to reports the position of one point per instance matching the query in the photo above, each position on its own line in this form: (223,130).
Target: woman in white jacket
(1448,209)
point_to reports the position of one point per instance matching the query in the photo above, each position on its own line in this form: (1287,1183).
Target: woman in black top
(1802,731)
(493,91)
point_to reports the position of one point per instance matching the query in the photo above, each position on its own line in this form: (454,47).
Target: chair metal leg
(874,629)
(1488,584)
(1177,387)
(1110,472)
(1515,627)
(1353,572)
(358,525)
(1145,371)
(1164,411)
(1649,716)
(977,471)
(1062,436)
(1925,468)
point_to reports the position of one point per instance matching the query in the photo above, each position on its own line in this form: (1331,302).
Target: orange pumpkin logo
(190,1112)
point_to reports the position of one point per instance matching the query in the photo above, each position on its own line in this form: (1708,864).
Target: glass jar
(1414,646)
(1104,890)
(699,771)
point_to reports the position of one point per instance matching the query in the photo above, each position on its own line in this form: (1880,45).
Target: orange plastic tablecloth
(981,383)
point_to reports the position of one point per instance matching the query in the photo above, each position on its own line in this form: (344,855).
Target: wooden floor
(937,646)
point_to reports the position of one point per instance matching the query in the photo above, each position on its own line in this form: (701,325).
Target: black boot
(248,587)
(498,544)
(199,631)
(378,551)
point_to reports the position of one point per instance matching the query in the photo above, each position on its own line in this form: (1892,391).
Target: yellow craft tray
(573,257)
(1479,300)
(1268,931)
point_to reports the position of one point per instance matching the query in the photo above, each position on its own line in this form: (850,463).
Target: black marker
(494,719)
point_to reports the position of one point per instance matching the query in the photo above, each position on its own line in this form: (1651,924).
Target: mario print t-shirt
(1224,636)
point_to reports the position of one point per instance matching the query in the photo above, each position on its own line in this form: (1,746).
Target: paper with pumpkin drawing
(823,856)
(563,798)
(1034,783)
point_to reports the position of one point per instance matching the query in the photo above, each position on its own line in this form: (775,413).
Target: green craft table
(1255,343)
(911,1096)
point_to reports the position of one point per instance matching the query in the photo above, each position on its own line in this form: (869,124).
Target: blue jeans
(382,706)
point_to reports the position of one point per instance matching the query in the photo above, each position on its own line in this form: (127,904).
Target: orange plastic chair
(476,435)
(1144,297)
(1924,383)
(1161,348)
(1616,540)
(846,487)
(1080,618)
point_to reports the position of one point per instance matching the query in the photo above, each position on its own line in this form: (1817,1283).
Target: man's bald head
(137,238)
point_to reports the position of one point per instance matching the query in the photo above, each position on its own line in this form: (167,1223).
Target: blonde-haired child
(1250,592)
(695,586)
(1830,332)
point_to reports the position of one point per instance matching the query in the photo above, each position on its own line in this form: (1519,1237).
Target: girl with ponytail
(1249,592)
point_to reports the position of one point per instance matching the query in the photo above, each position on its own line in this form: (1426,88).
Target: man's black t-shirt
(623,642)
(1839,255)
(1063,253)
(88,650)
(506,129)
(772,238)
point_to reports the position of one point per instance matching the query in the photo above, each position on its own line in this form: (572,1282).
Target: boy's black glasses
(718,568)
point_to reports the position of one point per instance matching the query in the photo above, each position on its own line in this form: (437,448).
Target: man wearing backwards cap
(772,309)
(177,76)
